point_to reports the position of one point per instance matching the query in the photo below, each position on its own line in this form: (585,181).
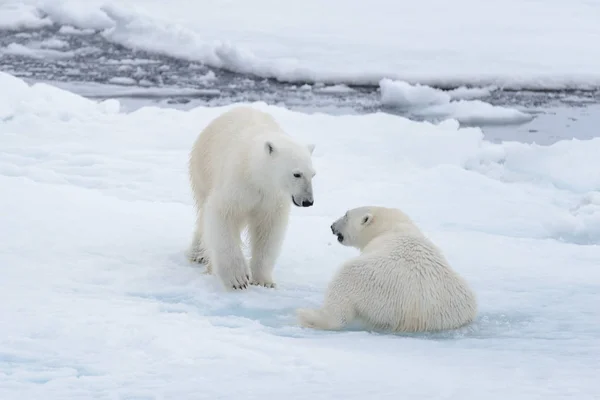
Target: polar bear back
(407,285)
(230,137)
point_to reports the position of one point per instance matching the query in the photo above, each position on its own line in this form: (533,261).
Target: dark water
(88,64)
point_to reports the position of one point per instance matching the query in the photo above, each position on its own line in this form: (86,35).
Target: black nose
(307,203)
(332,230)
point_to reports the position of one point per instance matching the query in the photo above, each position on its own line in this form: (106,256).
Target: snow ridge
(532,52)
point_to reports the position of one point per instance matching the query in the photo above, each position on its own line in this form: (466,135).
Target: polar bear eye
(297,175)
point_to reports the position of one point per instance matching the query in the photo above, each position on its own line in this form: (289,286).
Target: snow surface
(475,112)
(426,101)
(540,44)
(69,30)
(97,300)
(35,52)
(122,80)
(54,44)
(337,89)
(17,15)
(464,93)
(403,94)
(115,90)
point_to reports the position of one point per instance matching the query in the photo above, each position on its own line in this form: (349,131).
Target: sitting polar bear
(244,171)
(400,281)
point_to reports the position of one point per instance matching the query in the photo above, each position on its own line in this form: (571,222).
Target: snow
(16,15)
(208,77)
(476,112)
(53,44)
(122,80)
(77,14)
(97,300)
(426,101)
(403,94)
(95,90)
(513,44)
(465,93)
(69,30)
(337,89)
(35,51)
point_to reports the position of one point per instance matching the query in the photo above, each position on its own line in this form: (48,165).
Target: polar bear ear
(366,219)
(311,147)
(269,148)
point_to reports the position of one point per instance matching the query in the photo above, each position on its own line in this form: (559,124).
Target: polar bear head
(361,225)
(289,167)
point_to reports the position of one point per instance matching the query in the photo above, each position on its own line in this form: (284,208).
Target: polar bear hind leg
(197,252)
(325,319)
(222,236)
(267,232)
(337,312)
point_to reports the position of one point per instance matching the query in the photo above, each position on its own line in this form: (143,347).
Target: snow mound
(476,112)
(69,30)
(465,93)
(33,52)
(119,90)
(122,80)
(426,101)
(53,44)
(403,94)
(334,89)
(511,44)
(78,14)
(46,101)
(15,15)
(97,298)
(562,165)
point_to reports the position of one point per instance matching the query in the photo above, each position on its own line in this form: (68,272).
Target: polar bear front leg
(222,239)
(267,230)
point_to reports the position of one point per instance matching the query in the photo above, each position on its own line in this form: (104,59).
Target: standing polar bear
(399,282)
(244,172)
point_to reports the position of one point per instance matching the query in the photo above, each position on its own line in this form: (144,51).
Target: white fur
(400,281)
(244,173)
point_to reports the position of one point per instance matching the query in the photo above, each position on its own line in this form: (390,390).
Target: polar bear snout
(303,201)
(336,232)
(334,229)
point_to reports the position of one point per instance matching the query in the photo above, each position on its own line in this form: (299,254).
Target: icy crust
(97,299)
(457,104)
(514,45)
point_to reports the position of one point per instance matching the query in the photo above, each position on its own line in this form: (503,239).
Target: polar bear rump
(399,282)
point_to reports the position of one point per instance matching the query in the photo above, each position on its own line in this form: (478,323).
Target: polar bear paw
(264,283)
(197,258)
(260,278)
(197,255)
(236,278)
